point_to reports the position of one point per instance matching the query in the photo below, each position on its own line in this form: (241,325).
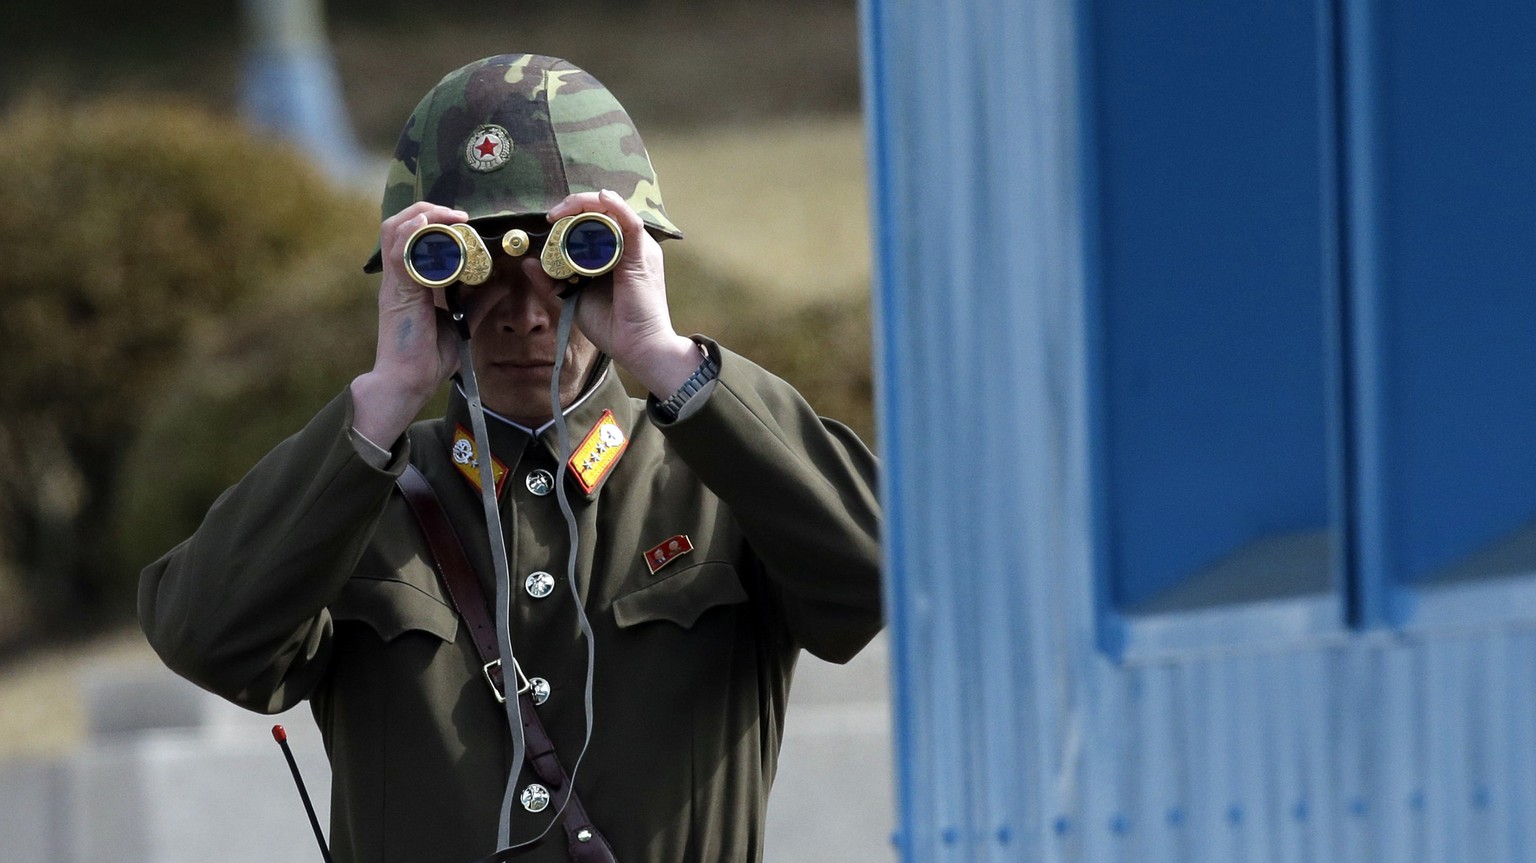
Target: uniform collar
(510,440)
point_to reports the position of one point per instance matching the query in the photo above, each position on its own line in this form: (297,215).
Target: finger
(441,213)
(607,201)
(420,213)
(630,223)
(613,205)
(396,229)
(577,202)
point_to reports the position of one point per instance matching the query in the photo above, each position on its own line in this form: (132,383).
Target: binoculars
(585,245)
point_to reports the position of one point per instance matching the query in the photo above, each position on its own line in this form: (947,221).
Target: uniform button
(540,482)
(535,797)
(540,689)
(539,585)
(584,835)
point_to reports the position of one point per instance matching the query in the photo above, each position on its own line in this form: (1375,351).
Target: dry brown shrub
(128,230)
(237,395)
(820,345)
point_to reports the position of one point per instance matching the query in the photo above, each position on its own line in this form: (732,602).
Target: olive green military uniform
(310,579)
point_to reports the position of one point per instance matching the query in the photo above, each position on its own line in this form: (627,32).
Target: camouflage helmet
(513,135)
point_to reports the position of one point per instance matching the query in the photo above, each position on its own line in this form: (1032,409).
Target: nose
(522,311)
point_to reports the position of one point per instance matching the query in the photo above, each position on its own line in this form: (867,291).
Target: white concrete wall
(173,774)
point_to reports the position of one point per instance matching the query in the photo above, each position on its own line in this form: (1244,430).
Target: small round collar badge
(487,148)
(540,482)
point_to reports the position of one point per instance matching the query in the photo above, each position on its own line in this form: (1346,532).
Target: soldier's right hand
(416,350)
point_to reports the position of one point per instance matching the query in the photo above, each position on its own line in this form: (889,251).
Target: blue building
(1206,343)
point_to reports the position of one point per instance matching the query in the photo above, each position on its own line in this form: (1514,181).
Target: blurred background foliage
(673,63)
(130,245)
(178,292)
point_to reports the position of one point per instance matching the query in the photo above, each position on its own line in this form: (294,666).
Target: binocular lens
(436,256)
(585,245)
(591,245)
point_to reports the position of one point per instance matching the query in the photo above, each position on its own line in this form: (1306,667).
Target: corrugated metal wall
(1380,707)
(980,363)
(1364,751)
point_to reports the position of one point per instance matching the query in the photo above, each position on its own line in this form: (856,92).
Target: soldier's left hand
(625,313)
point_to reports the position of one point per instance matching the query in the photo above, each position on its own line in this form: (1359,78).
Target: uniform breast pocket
(681,597)
(392,608)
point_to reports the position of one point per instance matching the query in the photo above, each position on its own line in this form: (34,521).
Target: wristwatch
(706,372)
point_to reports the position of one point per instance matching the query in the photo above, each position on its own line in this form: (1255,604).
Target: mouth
(523,367)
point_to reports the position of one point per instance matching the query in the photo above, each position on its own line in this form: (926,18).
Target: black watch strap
(707,371)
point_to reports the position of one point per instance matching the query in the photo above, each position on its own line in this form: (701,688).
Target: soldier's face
(514,344)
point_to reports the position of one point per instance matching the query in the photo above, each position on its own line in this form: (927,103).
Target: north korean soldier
(557,623)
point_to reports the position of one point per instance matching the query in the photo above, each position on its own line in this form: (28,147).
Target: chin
(516,402)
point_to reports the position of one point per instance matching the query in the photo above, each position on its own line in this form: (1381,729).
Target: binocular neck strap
(499,550)
(498,542)
(562,437)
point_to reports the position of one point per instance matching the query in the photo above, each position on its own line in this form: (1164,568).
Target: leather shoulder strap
(452,565)
(584,843)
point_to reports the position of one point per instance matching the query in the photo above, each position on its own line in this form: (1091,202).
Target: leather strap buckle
(495,679)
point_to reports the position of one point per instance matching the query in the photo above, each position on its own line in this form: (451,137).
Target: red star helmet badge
(487,148)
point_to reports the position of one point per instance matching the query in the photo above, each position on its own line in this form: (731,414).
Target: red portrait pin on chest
(669,550)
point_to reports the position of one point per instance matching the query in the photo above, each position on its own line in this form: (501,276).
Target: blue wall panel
(1199,112)
(1024,288)
(951,169)
(1443,208)
(937,153)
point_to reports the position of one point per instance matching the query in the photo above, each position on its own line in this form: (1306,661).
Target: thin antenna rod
(280,734)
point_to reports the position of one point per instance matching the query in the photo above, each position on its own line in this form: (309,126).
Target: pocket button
(535,797)
(539,585)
